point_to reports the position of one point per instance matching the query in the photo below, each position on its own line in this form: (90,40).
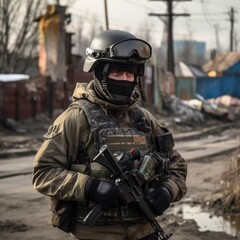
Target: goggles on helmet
(124,49)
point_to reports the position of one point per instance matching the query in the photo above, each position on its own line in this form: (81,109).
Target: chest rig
(120,137)
(106,129)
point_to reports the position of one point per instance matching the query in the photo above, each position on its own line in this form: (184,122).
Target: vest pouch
(63,214)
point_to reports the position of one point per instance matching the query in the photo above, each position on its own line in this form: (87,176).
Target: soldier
(106,111)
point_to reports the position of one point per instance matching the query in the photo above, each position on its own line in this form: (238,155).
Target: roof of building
(186,70)
(222,62)
(197,71)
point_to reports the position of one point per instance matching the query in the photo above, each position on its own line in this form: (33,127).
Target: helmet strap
(104,79)
(140,84)
(105,75)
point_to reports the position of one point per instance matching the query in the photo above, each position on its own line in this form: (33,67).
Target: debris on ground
(24,134)
(227,197)
(200,111)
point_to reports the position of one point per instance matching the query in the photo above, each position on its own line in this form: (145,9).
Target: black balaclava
(116,91)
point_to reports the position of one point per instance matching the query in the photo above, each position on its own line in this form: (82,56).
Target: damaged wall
(22,99)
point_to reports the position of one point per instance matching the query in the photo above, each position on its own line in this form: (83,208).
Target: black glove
(126,159)
(126,162)
(104,192)
(159,199)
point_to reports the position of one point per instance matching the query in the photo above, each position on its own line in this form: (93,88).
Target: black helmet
(115,46)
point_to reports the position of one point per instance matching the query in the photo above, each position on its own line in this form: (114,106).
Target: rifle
(129,184)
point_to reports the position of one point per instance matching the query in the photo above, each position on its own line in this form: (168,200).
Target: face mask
(120,88)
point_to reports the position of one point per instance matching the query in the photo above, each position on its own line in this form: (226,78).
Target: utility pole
(170,15)
(216,28)
(106,14)
(231,14)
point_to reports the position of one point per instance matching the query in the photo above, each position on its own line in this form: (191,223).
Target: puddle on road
(209,222)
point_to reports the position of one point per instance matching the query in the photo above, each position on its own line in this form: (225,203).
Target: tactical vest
(106,130)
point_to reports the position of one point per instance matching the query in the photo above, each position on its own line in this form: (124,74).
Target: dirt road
(25,215)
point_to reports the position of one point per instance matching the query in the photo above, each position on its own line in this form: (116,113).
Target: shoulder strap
(139,120)
(97,118)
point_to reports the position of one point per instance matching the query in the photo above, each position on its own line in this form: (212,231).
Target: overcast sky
(208,17)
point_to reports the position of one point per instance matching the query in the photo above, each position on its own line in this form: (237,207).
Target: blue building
(223,77)
(189,51)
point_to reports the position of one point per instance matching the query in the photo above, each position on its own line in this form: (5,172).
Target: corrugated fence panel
(231,85)
(208,87)
(218,86)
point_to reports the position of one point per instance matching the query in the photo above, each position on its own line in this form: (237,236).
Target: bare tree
(18,33)
(88,26)
(145,33)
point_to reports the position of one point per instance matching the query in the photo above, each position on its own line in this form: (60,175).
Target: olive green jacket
(70,131)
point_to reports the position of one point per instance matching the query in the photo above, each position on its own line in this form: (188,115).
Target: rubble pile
(184,112)
(199,112)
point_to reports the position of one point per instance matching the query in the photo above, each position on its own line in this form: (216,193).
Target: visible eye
(115,73)
(121,75)
(130,74)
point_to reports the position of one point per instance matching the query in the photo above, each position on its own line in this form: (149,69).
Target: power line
(206,14)
(203,16)
(170,15)
(116,22)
